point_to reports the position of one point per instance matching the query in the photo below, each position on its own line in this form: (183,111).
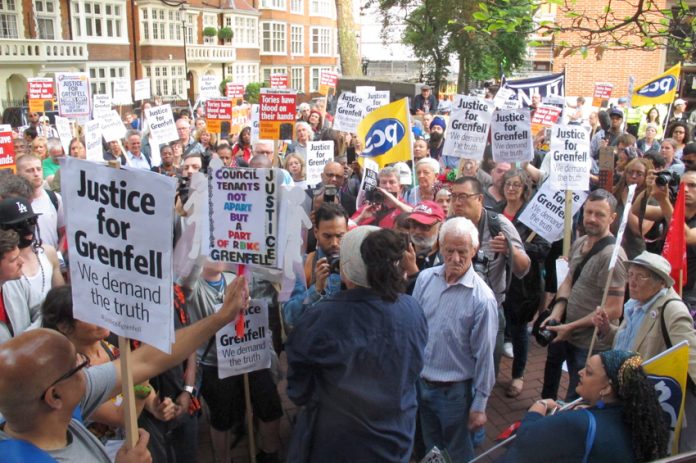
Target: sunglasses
(82,362)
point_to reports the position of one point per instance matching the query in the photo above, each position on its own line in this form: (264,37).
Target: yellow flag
(386,134)
(660,89)
(668,372)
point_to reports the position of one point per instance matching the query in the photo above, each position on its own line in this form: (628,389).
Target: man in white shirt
(136,158)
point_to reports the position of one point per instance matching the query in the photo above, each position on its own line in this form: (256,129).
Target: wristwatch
(190,389)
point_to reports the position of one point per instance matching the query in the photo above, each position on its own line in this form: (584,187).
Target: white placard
(142,90)
(210,87)
(350,110)
(545,212)
(101,105)
(467,128)
(73,94)
(64,132)
(622,226)
(122,91)
(119,223)
(254,122)
(249,353)
(161,122)
(363,90)
(511,135)
(376,99)
(570,158)
(319,153)
(93,141)
(112,126)
(503,96)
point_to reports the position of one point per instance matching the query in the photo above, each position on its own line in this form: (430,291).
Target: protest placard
(64,132)
(40,94)
(241,117)
(350,110)
(112,126)
(217,113)
(101,105)
(252,351)
(511,135)
(374,100)
(467,129)
(545,212)
(73,94)
(209,86)
(602,93)
(319,153)
(93,142)
(119,224)
(161,120)
(502,96)
(570,158)
(369,182)
(254,123)
(277,115)
(143,90)
(544,116)
(279,81)
(244,206)
(7,152)
(327,81)
(234,91)
(122,91)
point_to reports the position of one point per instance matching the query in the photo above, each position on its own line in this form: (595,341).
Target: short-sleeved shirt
(83,446)
(586,293)
(50,219)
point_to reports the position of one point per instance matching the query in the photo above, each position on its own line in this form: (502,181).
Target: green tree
(252,91)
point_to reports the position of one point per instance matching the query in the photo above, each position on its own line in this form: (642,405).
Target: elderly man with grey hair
(50,165)
(458,374)
(303,135)
(386,203)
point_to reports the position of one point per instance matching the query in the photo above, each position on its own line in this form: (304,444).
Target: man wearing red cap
(425,223)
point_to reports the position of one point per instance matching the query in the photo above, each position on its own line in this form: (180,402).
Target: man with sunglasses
(43,379)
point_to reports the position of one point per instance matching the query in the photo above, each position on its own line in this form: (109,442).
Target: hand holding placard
(236,299)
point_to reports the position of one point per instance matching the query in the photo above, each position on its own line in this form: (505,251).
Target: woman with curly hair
(624,421)
(679,131)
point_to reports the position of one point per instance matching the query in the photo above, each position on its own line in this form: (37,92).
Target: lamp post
(182,10)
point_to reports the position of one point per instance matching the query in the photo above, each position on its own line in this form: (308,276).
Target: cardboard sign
(122,91)
(209,87)
(234,91)
(279,81)
(143,90)
(319,153)
(64,132)
(327,81)
(217,113)
(252,351)
(374,100)
(350,110)
(511,136)
(244,206)
(545,212)
(93,142)
(277,115)
(467,128)
(119,224)
(254,122)
(40,94)
(544,116)
(73,94)
(570,158)
(161,121)
(112,127)
(101,105)
(7,151)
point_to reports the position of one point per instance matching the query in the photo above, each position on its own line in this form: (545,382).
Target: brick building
(172,45)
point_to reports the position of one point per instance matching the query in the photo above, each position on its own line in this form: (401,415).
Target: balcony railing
(210,54)
(42,51)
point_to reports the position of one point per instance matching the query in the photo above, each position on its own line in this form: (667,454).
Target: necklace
(43,275)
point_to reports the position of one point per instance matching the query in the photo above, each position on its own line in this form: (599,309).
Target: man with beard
(425,221)
(581,293)
(437,137)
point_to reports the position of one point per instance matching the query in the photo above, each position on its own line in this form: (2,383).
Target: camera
(480,262)
(670,180)
(545,336)
(335,264)
(330,193)
(182,189)
(375,196)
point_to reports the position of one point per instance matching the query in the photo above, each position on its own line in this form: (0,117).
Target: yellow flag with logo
(660,89)
(386,134)
(668,372)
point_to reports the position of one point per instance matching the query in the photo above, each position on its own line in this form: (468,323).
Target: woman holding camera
(635,173)
(624,421)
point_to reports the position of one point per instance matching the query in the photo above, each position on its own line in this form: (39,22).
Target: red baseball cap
(427,213)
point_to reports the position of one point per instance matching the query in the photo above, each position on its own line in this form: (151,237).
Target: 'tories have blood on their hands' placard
(277,115)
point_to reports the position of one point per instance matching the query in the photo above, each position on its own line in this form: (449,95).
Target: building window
(297,78)
(166,25)
(273,4)
(209,20)
(268,71)
(244,73)
(297,6)
(245,30)
(48,19)
(315,74)
(101,77)
(321,8)
(297,40)
(99,19)
(273,38)
(166,79)
(9,18)
(321,41)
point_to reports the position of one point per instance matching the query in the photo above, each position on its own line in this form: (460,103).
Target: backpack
(668,342)
(480,262)
(53,197)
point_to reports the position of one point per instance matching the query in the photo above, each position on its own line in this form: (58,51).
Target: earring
(600,403)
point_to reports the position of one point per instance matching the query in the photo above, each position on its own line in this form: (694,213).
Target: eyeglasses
(463,196)
(82,362)
(639,277)
(513,186)
(635,173)
(679,132)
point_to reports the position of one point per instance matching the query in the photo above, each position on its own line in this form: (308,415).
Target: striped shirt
(462,326)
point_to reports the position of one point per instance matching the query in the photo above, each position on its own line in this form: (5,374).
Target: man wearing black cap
(608,137)
(425,103)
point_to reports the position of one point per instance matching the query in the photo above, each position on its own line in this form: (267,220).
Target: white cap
(679,101)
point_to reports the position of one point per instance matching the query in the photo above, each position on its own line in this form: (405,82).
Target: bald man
(43,379)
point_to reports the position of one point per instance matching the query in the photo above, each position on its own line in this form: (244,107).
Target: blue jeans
(444,417)
(559,352)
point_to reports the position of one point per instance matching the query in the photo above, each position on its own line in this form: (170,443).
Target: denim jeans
(444,416)
(558,353)
(499,340)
